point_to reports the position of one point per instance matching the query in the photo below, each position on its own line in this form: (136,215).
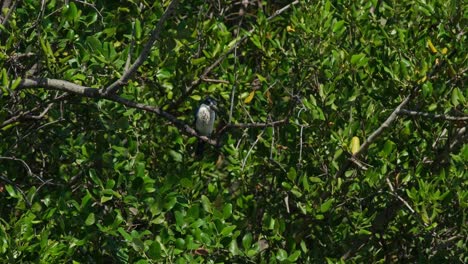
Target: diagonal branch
(144,53)
(373,137)
(393,116)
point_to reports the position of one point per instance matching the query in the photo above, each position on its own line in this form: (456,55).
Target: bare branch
(215,81)
(244,162)
(393,192)
(279,11)
(433,116)
(443,157)
(185,128)
(373,137)
(66,86)
(28,169)
(393,116)
(144,53)
(28,114)
(61,85)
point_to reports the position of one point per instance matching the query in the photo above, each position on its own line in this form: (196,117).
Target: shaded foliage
(91,180)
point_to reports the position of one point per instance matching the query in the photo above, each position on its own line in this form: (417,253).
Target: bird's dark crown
(209,101)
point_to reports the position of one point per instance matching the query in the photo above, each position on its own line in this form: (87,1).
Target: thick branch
(145,52)
(61,85)
(66,86)
(185,128)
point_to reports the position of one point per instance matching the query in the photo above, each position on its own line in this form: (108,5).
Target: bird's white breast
(205,120)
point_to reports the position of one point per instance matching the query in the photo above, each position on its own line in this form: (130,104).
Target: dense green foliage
(84,179)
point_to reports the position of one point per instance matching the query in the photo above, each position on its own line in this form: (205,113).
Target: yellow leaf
(431,46)
(290,29)
(355,144)
(250,97)
(444,51)
(423,79)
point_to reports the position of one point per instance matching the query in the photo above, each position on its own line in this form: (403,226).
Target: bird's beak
(214,107)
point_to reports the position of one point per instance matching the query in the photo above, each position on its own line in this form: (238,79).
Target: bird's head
(211,103)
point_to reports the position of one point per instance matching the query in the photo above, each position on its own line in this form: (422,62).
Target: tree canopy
(340,136)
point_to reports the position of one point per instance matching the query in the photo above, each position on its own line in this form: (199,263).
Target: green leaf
(197,61)
(227,231)
(427,89)
(16,83)
(247,241)
(138,244)
(176,156)
(388,147)
(256,41)
(292,174)
(180,243)
(90,219)
(326,205)
(94,43)
(233,248)
(137,29)
(4,80)
(358,59)
(227,211)
(294,256)
(163,74)
(70,11)
(95,178)
(339,27)
(457,97)
(206,203)
(281,255)
(126,235)
(105,199)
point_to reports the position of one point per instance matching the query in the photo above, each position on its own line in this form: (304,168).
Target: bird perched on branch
(204,121)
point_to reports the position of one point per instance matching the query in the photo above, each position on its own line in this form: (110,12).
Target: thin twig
(215,80)
(233,89)
(394,193)
(272,143)
(433,116)
(4,178)
(93,7)
(254,125)
(250,150)
(28,169)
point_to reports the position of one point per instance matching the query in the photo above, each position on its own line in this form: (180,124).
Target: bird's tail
(200,148)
